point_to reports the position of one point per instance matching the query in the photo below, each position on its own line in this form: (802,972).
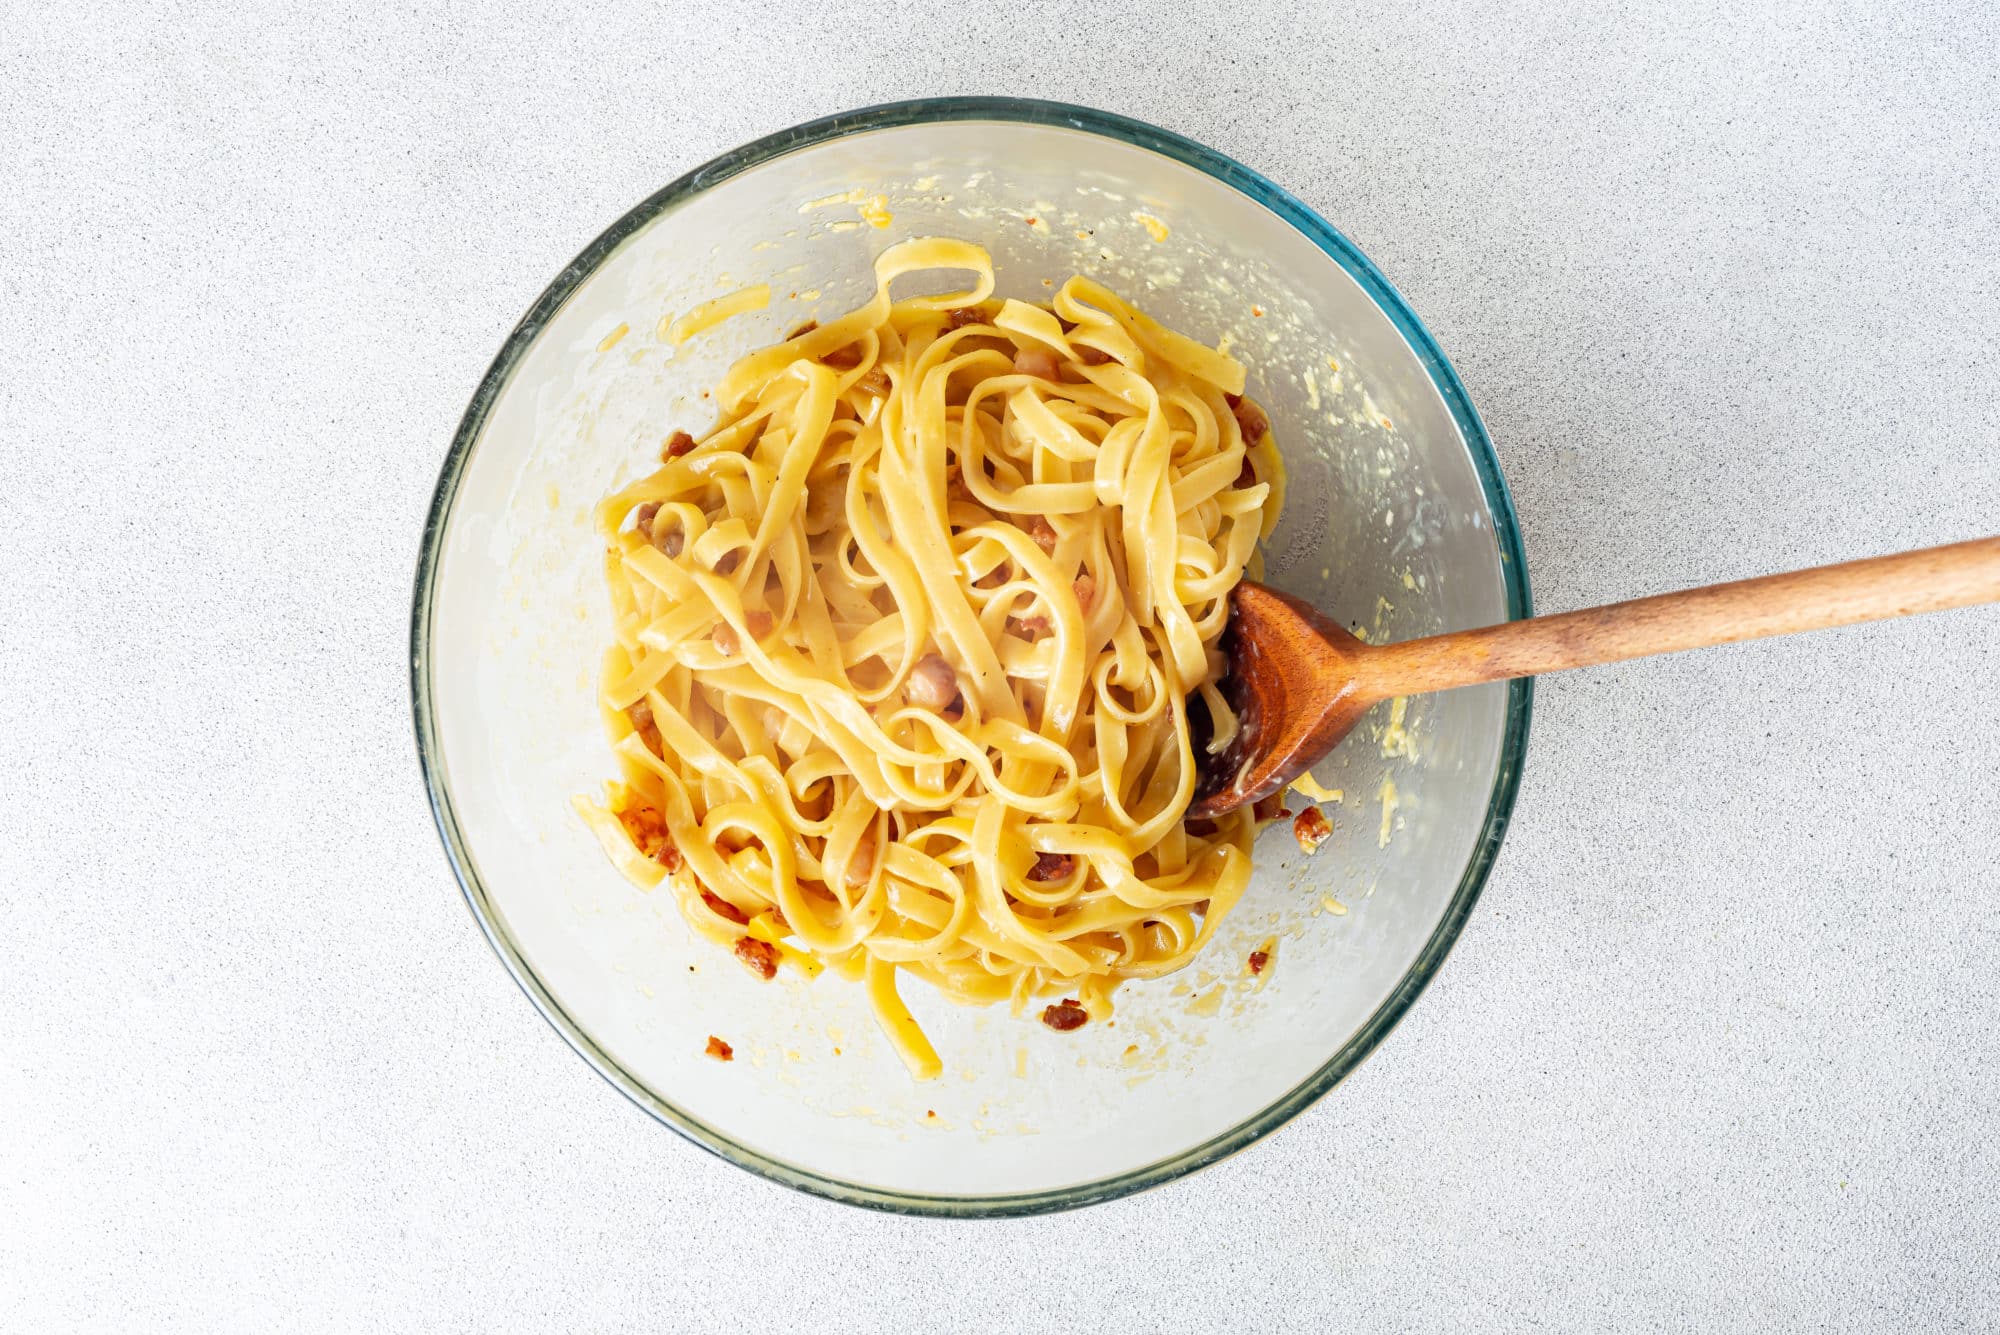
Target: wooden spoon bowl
(1298,682)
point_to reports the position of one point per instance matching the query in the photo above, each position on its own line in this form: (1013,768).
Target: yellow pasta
(904,645)
(712,313)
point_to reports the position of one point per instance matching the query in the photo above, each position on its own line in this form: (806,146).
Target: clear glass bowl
(1397,521)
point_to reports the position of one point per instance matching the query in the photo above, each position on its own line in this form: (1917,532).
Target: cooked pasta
(904,647)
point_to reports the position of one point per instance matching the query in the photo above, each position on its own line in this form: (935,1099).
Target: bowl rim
(1335,246)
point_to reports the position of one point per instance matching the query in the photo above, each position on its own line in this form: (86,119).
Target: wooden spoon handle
(1930,580)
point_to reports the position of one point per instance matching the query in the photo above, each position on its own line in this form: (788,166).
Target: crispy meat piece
(719,1050)
(1043,532)
(664,534)
(1271,808)
(647,829)
(677,444)
(1065,1015)
(722,908)
(759,957)
(1258,959)
(1052,867)
(932,683)
(641,715)
(1311,829)
(1250,419)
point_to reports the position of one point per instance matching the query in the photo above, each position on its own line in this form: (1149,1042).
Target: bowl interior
(1389,524)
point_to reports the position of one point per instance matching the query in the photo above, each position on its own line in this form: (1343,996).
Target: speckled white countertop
(1720,1048)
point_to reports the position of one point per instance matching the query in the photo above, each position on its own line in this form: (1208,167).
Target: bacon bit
(1043,533)
(641,715)
(932,683)
(759,957)
(677,444)
(1311,829)
(802,330)
(725,639)
(1065,1015)
(647,829)
(861,862)
(719,1050)
(1271,808)
(722,908)
(1257,312)
(1258,959)
(1246,476)
(961,316)
(1250,419)
(759,624)
(1031,221)
(844,359)
(875,381)
(1030,628)
(646,523)
(1051,867)
(1038,362)
(1200,829)
(1090,356)
(1085,589)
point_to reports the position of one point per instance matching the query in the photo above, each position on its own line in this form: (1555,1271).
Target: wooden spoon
(1299,683)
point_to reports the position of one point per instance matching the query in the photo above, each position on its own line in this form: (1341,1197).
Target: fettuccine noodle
(905,643)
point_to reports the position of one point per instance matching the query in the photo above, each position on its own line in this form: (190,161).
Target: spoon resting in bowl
(1299,683)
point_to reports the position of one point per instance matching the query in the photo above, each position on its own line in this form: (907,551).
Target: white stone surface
(1720,1048)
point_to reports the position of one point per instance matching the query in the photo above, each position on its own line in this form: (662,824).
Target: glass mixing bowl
(1397,521)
